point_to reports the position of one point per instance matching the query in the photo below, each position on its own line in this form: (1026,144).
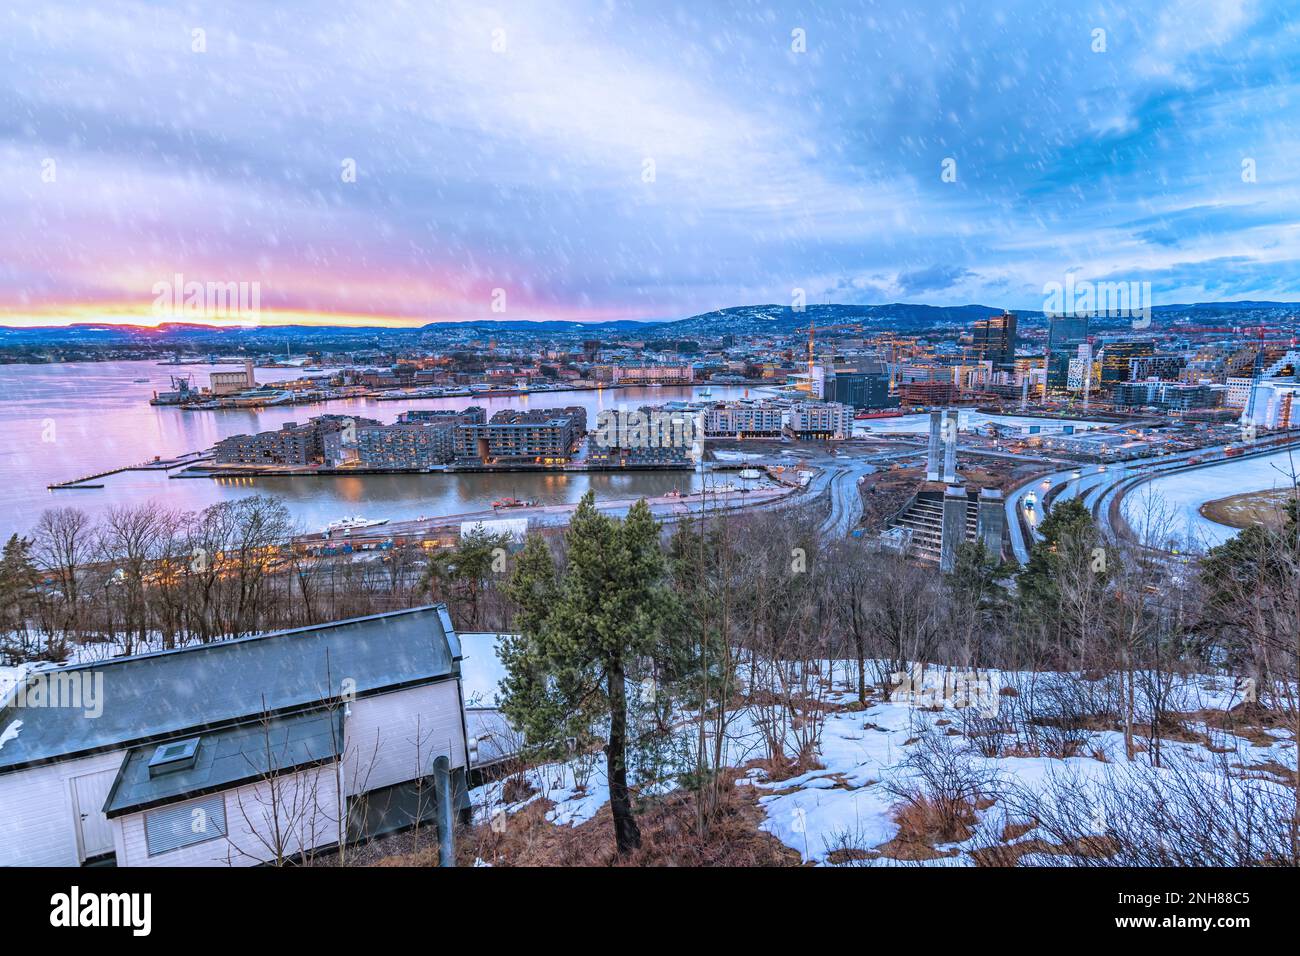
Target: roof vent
(170,757)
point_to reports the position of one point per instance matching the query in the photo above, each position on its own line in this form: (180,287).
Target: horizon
(326,322)
(594,164)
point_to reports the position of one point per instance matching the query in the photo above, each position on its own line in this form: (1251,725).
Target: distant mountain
(758,319)
(737,320)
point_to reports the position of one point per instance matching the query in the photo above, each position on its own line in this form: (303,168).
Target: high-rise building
(1117,357)
(995,339)
(1066,331)
(859,389)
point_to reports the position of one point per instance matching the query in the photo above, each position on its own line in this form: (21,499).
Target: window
(185,824)
(171,757)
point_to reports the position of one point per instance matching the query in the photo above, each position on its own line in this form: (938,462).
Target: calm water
(59,422)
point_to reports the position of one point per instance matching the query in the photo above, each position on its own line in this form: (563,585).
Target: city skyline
(594,163)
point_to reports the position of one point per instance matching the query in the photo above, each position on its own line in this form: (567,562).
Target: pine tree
(580,632)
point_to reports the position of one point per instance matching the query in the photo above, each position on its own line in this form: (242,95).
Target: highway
(1103,486)
(846,499)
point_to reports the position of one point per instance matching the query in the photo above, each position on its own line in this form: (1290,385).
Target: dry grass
(668,838)
(1091,847)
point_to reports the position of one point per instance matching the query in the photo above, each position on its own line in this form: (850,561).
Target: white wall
(394,737)
(38,820)
(306,804)
(389,739)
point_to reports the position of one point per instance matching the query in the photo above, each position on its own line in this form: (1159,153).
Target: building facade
(548,436)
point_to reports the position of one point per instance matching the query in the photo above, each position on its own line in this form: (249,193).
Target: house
(239,753)
(492,739)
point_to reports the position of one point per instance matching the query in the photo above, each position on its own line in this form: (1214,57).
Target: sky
(409,162)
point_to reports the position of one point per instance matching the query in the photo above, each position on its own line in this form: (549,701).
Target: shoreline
(1248,508)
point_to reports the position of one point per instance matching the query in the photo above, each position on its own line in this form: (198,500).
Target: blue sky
(601,160)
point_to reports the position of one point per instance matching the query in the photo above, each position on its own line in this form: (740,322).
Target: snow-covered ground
(851,799)
(966,419)
(1181,495)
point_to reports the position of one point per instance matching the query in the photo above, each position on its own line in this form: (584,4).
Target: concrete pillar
(950,448)
(992,520)
(954,526)
(932,461)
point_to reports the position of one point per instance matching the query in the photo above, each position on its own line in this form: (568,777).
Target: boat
(863,415)
(750,474)
(513,503)
(707,393)
(354,523)
(139,380)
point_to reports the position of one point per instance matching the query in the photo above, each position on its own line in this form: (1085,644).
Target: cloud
(602,160)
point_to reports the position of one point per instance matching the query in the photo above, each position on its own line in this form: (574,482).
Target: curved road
(1100,485)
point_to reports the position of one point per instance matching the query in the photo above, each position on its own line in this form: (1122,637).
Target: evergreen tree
(18,579)
(1069,538)
(463,575)
(581,630)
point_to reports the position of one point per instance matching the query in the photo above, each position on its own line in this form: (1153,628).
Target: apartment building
(744,421)
(416,444)
(548,436)
(821,420)
(292,444)
(683,374)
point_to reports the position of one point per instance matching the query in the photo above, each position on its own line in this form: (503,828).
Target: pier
(156,464)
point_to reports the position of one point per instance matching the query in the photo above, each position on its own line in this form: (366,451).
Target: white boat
(354,523)
(750,474)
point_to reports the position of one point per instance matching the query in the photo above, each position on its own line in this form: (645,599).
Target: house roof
(228,758)
(166,694)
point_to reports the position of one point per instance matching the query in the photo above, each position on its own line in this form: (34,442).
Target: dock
(156,464)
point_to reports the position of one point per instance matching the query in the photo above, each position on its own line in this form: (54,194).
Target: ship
(513,503)
(865,414)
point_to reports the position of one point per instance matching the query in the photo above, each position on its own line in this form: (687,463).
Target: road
(846,499)
(1101,486)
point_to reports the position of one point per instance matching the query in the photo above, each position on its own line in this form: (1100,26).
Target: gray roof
(165,694)
(230,757)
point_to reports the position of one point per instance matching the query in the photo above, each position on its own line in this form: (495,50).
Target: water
(59,422)
(1178,497)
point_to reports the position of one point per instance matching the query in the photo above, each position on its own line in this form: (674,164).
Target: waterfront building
(744,421)
(319,441)
(683,374)
(417,444)
(231,383)
(821,420)
(548,436)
